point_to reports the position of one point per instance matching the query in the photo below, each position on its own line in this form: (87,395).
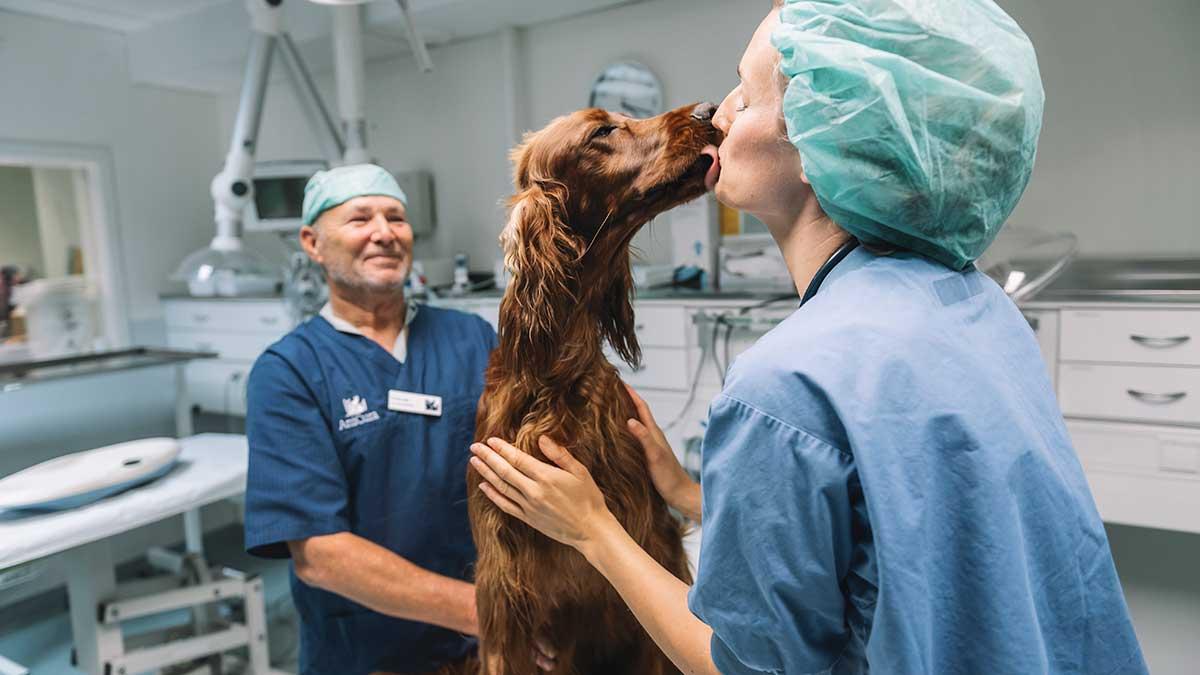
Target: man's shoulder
(296,349)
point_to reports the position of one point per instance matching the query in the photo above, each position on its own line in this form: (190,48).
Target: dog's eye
(602,132)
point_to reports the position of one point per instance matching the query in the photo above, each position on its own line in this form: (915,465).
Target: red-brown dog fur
(585,185)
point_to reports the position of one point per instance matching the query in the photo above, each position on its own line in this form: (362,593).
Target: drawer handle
(1157,399)
(200,318)
(269,320)
(634,369)
(1160,343)
(639,327)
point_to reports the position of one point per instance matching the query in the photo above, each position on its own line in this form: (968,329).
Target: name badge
(417,404)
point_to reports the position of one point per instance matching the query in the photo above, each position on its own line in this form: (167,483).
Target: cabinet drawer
(1169,337)
(1151,393)
(661,369)
(236,316)
(1142,476)
(218,386)
(243,346)
(659,326)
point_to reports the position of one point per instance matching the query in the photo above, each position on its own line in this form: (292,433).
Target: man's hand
(668,475)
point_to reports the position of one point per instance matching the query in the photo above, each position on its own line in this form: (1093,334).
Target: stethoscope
(819,277)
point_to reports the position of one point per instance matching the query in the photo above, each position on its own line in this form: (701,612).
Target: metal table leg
(92,579)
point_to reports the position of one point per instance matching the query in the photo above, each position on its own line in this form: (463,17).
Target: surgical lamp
(225,268)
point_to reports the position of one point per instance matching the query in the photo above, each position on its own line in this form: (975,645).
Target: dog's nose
(704,112)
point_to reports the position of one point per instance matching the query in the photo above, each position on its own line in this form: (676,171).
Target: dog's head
(585,185)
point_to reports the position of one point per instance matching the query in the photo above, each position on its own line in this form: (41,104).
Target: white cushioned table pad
(211,467)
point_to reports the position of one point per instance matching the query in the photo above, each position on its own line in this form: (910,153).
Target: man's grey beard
(335,275)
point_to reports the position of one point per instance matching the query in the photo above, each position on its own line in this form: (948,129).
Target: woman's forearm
(687,501)
(657,598)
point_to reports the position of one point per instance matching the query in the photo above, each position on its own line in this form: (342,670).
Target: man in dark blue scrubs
(359,424)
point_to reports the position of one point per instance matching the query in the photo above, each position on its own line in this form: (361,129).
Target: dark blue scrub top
(321,462)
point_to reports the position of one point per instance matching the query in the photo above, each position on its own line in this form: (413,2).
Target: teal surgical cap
(327,189)
(917,121)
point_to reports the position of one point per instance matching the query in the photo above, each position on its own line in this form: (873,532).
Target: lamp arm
(232,188)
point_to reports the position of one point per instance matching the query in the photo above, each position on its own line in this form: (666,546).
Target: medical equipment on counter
(695,229)
(212,467)
(304,287)
(462,275)
(225,268)
(652,276)
(58,315)
(1025,260)
(278,195)
(752,262)
(81,478)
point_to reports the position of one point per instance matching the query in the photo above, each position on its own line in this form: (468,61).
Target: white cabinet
(238,330)
(1128,381)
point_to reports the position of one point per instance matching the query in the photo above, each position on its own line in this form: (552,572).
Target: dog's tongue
(714,170)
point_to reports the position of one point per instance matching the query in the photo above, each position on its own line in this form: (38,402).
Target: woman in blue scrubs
(887,480)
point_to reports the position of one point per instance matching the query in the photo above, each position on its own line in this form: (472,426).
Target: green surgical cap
(917,120)
(327,189)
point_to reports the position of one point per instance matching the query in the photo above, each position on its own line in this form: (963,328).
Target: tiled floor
(37,634)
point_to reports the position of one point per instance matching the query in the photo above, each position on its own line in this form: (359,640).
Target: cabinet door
(661,368)
(242,346)
(238,316)
(1141,475)
(661,325)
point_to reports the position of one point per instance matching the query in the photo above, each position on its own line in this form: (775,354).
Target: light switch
(1179,457)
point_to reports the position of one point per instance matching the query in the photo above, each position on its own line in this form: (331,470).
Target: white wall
(1117,162)
(19,241)
(68,83)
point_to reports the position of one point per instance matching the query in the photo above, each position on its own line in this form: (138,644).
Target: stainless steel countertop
(1126,281)
(16,375)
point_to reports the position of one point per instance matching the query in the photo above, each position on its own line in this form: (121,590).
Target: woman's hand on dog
(562,502)
(667,474)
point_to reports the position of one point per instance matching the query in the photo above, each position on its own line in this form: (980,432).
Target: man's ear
(308,242)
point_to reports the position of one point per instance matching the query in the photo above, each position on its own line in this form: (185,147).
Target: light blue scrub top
(888,484)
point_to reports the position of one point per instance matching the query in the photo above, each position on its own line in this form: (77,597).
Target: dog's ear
(543,256)
(616,314)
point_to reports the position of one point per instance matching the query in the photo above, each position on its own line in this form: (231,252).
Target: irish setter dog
(585,185)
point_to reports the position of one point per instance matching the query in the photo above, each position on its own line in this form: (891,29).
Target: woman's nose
(704,111)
